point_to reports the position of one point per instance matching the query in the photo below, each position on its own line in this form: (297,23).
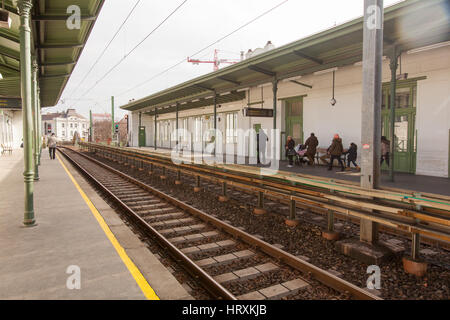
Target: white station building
(65,124)
(308,74)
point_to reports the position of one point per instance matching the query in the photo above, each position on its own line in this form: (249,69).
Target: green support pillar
(38,96)
(176,125)
(34,99)
(24,7)
(274,143)
(156,131)
(112,120)
(393,93)
(215,122)
(91,129)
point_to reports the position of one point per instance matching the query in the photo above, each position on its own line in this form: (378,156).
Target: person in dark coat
(311,144)
(290,151)
(352,154)
(385,150)
(335,150)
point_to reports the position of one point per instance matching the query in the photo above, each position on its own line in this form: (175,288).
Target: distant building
(65,124)
(99,117)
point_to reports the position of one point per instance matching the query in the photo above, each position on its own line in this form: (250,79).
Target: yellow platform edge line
(136,274)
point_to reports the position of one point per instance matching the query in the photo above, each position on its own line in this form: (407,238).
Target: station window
(76,125)
(62,125)
(71,125)
(63,133)
(231,127)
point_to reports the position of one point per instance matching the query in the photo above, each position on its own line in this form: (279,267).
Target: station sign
(11,103)
(258,112)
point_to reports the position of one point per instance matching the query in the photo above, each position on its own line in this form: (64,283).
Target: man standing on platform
(52,145)
(311,144)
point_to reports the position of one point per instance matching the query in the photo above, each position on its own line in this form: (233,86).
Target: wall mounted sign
(11,103)
(258,112)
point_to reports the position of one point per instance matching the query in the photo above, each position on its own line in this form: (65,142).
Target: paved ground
(34,261)
(405,181)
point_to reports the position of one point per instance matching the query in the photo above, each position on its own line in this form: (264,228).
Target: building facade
(65,124)
(308,74)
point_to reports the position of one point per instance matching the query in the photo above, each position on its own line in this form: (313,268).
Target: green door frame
(291,120)
(406,161)
(142,137)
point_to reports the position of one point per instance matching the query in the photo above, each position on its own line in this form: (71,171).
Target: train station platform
(403,181)
(78,239)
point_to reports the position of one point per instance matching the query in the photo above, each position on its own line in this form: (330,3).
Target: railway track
(228,262)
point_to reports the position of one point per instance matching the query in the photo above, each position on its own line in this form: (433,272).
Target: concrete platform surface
(42,262)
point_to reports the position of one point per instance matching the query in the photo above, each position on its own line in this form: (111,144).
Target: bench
(321,152)
(6,149)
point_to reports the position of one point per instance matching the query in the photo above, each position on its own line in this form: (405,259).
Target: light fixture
(431,47)
(243,89)
(333,100)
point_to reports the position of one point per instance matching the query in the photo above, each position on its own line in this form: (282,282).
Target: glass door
(405,140)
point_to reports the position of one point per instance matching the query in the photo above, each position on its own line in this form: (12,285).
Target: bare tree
(102,131)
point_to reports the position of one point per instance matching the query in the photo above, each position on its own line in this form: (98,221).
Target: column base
(223,198)
(259,211)
(291,223)
(29,223)
(330,235)
(415,267)
(365,252)
(197,189)
(177,182)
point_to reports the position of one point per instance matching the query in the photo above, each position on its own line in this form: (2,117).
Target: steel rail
(215,288)
(316,198)
(322,276)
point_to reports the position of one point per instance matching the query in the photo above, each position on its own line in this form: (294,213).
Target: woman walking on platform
(290,151)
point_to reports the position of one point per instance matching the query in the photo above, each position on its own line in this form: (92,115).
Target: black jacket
(352,152)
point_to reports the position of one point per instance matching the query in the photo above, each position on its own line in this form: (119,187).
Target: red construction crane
(216,61)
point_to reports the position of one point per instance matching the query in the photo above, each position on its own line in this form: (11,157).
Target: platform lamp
(333,100)
(5,19)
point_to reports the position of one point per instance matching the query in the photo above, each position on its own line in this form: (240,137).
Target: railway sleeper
(193,237)
(246,274)
(277,291)
(225,258)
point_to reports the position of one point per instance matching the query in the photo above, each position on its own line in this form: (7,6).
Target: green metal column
(274,143)
(24,7)
(35,118)
(91,131)
(215,122)
(156,131)
(38,99)
(176,125)
(112,120)
(393,66)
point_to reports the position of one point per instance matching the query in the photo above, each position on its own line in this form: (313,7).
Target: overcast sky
(194,26)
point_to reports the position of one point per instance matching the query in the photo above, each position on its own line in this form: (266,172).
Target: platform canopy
(408,25)
(56,47)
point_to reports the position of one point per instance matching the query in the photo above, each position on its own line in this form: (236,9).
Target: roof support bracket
(230,80)
(305,56)
(261,70)
(301,84)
